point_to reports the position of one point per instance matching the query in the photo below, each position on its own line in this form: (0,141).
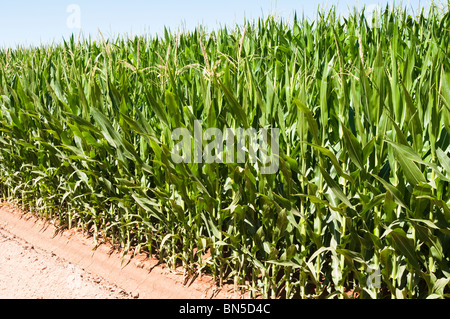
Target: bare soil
(39,261)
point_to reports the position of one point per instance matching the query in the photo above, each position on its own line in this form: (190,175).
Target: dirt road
(28,272)
(36,263)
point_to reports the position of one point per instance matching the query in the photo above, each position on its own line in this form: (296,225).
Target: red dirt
(36,263)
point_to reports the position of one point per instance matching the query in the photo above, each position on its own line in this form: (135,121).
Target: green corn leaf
(404,246)
(407,154)
(444,160)
(412,172)
(310,119)
(333,159)
(335,188)
(236,108)
(157,108)
(353,147)
(432,225)
(351,256)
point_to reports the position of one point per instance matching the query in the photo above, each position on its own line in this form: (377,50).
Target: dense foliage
(360,203)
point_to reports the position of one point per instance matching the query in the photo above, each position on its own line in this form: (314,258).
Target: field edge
(139,274)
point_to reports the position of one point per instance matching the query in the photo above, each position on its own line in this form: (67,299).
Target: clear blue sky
(33,22)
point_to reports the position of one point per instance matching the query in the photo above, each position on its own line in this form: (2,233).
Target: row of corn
(359,205)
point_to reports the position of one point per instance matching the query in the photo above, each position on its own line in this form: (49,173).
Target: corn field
(359,206)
